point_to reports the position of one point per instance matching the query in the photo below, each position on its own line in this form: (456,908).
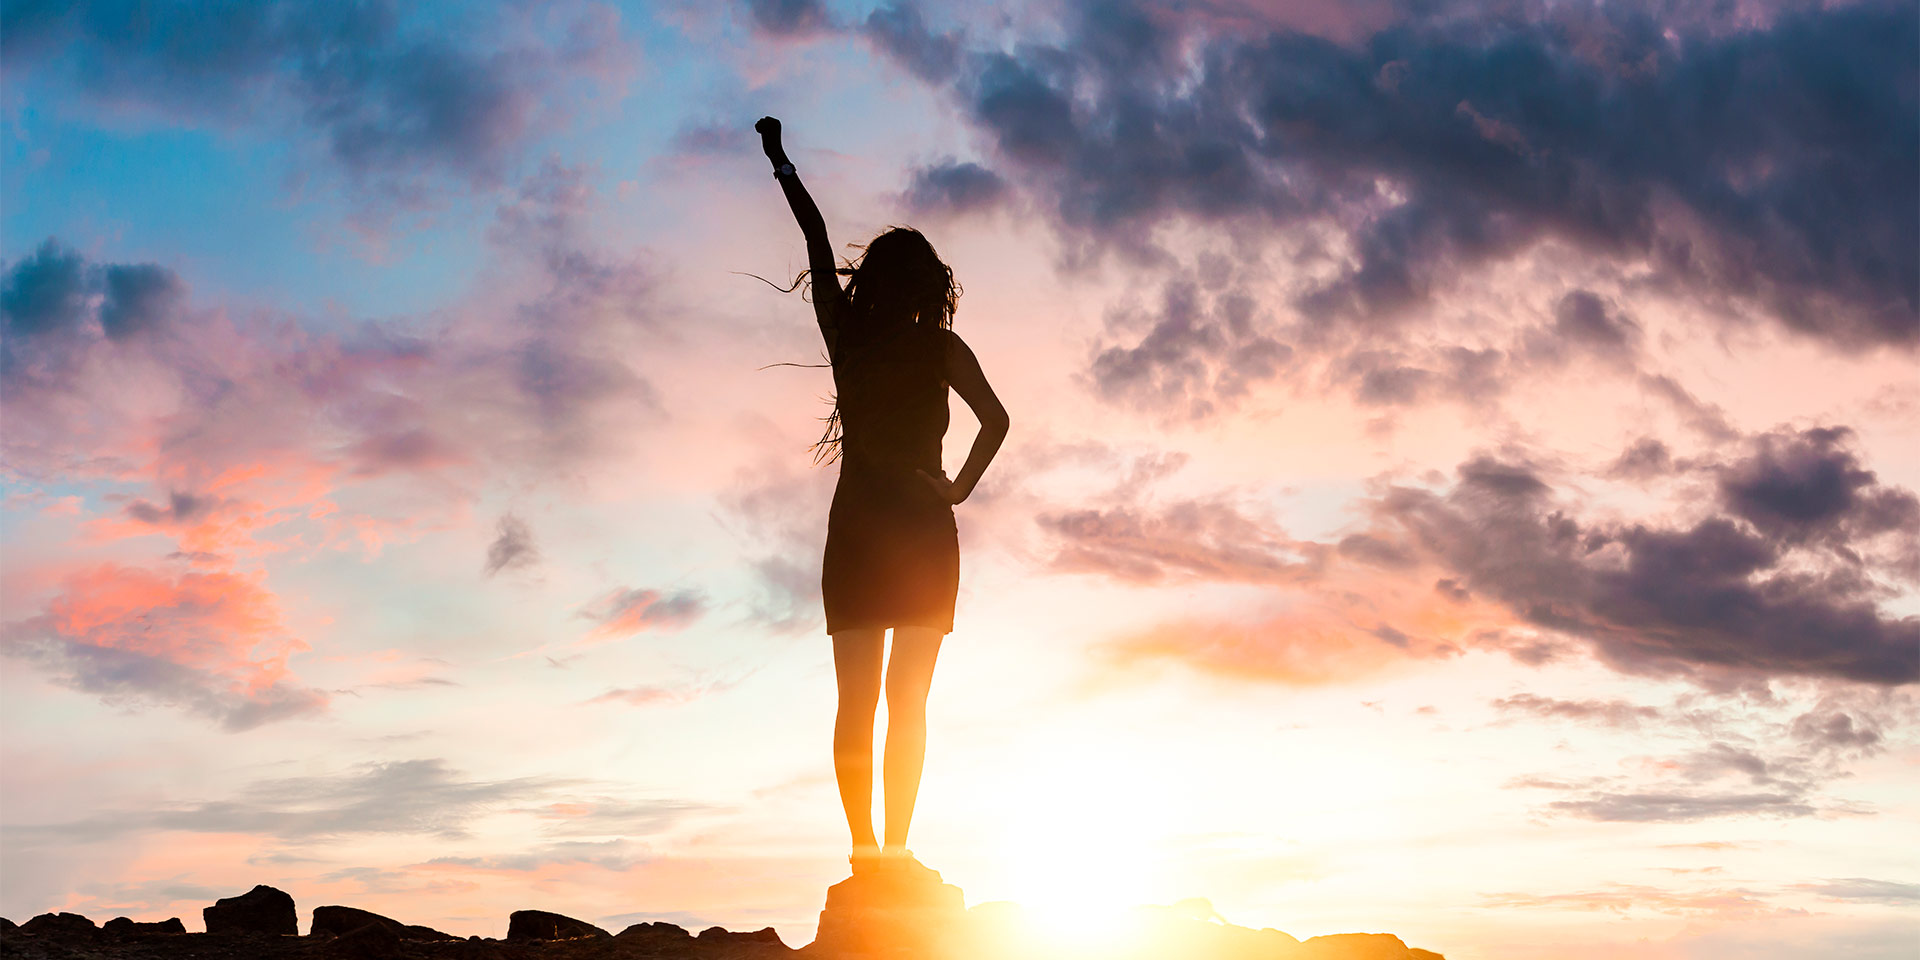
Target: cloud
(1586,318)
(641,696)
(1692,599)
(53,303)
(953,188)
(1647,459)
(245,427)
(1863,890)
(1623,897)
(530,377)
(788,17)
(1609,713)
(181,508)
(628,611)
(777,509)
(1385,378)
(717,138)
(1442,144)
(44,292)
(1682,807)
(513,548)
(1837,730)
(898,29)
(1306,649)
(1806,485)
(1327,613)
(1770,758)
(609,816)
(1585,324)
(1196,351)
(1706,419)
(386,103)
(139,297)
(424,797)
(1500,560)
(1188,539)
(189,641)
(617,855)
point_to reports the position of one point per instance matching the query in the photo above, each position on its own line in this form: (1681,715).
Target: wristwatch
(784,170)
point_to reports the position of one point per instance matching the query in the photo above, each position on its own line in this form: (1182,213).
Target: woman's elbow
(997,421)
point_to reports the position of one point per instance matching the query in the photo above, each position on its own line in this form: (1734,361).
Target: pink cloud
(629,611)
(211,643)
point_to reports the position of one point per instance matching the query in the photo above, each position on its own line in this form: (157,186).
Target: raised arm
(820,262)
(963,373)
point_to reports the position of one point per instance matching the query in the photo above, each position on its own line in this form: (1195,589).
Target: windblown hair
(897,283)
(899,278)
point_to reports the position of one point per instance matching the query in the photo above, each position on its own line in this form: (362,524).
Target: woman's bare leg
(857,656)
(909,673)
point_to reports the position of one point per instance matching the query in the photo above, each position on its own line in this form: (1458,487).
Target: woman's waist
(887,484)
(882,458)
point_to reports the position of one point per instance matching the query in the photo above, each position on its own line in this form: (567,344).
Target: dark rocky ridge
(868,918)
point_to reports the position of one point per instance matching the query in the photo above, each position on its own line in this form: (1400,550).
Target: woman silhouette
(892,555)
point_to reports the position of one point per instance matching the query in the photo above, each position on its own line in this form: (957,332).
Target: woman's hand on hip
(948,491)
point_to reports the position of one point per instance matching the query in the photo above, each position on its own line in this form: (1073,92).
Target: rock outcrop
(1359,946)
(59,925)
(763,937)
(919,920)
(656,935)
(892,912)
(260,910)
(905,913)
(541,925)
(339,921)
(371,941)
(122,926)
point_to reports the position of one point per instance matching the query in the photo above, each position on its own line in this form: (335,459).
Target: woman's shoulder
(944,344)
(952,346)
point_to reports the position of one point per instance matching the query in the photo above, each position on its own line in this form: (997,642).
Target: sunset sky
(1461,481)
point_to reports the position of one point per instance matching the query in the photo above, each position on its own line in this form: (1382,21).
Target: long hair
(898,283)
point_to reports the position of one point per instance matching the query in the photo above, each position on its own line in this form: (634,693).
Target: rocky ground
(262,925)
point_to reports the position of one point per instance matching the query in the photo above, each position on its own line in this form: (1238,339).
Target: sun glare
(1088,849)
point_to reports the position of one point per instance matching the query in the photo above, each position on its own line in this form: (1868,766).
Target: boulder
(369,941)
(59,925)
(906,911)
(655,935)
(541,925)
(260,910)
(723,935)
(122,926)
(1236,942)
(8,926)
(1354,946)
(338,921)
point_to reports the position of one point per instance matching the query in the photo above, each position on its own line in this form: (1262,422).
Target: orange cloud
(213,643)
(1289,649)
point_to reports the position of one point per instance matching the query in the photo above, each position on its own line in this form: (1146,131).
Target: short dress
(893,551)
